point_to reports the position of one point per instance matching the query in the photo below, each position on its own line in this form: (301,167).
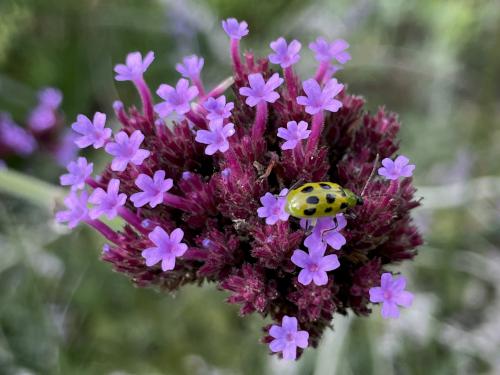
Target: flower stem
(132,219)
(177,202)
(235,55)
(391,190)
(259,125)
(290,82)
(147,99)
(199,85)
(219,89)
(197,120)
(105,230)
(321,71)
(316,127)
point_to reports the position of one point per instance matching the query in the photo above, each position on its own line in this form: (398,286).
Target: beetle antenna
(371,175)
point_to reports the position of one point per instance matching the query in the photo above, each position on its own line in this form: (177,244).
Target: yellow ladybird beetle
(315,200)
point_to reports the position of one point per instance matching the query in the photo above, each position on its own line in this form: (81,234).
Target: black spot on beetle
(328,209)
(312,200)
(307,189)
(343,206)
(309,211)
(325,186)
(330,198)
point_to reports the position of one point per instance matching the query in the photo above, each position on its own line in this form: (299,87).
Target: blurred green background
(436,63)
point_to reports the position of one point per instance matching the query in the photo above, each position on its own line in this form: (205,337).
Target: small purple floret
(326,231)
(273,207)
(329,51)
(392,170)
(293,134)
(91,132)
(134,67)
(153,189)
(167,248)
(79,171)
(319,99)
(14,137)
(176,99)
(285,54)
(126,150)
(315,265)
(391,293)
(218,109)
(287,338)
(260,90)
(50,97)
(107,202)
(235,29)
(190,67)
(77,210)
(216,137)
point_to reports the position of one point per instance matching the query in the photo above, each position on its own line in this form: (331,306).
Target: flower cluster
(43,131)
(204,197)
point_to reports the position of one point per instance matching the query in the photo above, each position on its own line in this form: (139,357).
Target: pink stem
(199,85)
(105,230)
(120,112)
(147,99)
(196,119)
(259,125)
(316,127)
(92,183)
(132,219)
(320,72)
(219,89)
(290,82)
(391,191)
(177,202)
(235,55)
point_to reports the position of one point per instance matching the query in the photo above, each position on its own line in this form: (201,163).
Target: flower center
(387,295)
(289,337)
(313,267)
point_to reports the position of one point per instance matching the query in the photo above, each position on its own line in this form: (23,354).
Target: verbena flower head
(232,159)
(167,248)
(235,29)
(107,202)
(319,99)
(261,91)
(45,115)
(218,109)
(13,138)
(285,54)
(392,170)
(293,134)
(79,171)
(191,66)
(176,99)
(126,150)
(336,50)
(134,67)
(91,132)
(391,294)
(273,207)
(287,338)
(216,137)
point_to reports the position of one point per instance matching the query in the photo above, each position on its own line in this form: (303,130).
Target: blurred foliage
(436,63)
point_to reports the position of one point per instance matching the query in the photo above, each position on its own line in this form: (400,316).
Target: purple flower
(191,66)
(176,99)
(134,67)
(42,118)
(126,150)
(391,293)
(78,171)
(166,250)
(216,137)
(287,338)
(328,51)
(260,90)
(235,29)
(50,97)
(107,202)
(285,55)
(392,170)
(217,108)
(152,189)
(66,150)
(92,132)
(327,231)
(293,134)
(77,209)
(273,207)
(318,99)
(314,265)
(14,137)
